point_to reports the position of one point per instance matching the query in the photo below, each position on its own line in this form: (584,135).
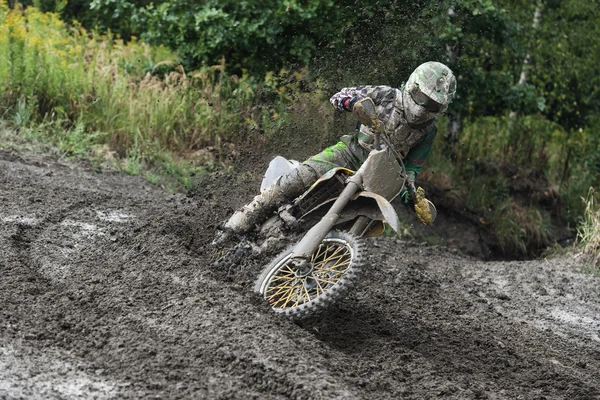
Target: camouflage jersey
(412,142)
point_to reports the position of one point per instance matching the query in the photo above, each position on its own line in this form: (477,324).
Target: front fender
(373,206)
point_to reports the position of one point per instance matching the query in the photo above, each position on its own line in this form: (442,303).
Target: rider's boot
(244,219)
(286,188)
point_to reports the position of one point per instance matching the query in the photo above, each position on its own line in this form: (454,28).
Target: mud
(106,291)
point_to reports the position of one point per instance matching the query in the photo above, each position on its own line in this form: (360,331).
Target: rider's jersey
(412,142)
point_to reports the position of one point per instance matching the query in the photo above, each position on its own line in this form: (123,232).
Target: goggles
(424,101)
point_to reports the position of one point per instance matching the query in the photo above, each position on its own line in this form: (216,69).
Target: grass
(172,173)
(128,106)
(130,96)
(480,185)
(23,143)
(588,231)
(591,269)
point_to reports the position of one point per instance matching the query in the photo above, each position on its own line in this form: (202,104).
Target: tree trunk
(537,16)
(565,173)
(454,119)
(453,133)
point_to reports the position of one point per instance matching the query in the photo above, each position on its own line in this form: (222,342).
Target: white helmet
(428,91)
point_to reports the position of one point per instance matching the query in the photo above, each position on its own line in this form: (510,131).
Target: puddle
(20,219)
(24,373)
(113,216)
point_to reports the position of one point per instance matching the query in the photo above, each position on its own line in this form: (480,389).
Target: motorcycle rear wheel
(334,268)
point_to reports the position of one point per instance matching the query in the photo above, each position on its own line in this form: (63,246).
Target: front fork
(313,238)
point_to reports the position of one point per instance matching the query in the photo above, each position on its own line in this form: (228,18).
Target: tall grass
(588,231)
(532,141)
(139,95)
(568,160)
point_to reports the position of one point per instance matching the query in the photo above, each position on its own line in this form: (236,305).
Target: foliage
(530,140)
(588,232)
(380,41)
(260,36)
(566,62)
(100,84)
(95,96)
(521,229)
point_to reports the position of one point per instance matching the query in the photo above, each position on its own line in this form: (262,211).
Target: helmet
(429,90)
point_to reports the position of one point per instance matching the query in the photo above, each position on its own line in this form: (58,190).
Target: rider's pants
(347,153)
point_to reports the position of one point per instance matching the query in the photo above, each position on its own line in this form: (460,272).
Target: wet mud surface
(106,291)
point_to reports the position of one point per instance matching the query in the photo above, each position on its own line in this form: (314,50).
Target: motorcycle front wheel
(334,268)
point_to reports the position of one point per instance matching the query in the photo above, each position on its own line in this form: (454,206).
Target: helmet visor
(424,101)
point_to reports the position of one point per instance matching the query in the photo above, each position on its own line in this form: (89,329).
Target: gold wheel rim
(330,262)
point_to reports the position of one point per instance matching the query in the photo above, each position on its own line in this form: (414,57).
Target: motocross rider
(408,116)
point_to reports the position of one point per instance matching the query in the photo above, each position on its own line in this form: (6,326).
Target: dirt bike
(336,213)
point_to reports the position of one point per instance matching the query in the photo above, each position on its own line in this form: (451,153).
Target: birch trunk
(537,16)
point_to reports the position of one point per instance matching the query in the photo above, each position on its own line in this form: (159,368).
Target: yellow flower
(13,19)
(74,50)
(55,21)
(19,33)
(35,41)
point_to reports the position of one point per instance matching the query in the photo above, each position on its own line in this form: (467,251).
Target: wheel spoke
(325,281)
(317,253)
(286,300)
(337,263)
(292,293)
(284,278)
(306,290)
(291,270)
(281,289)
(337,250)
(339,266)
(336,267)
(318,286)
(300,297)
(336,274)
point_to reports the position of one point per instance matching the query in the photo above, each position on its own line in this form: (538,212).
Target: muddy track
(106,292)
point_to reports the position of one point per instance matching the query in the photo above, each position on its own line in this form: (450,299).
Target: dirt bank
(106,292)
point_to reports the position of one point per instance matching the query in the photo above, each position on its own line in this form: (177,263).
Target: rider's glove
(424,208)
(364,109)
(349,102)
